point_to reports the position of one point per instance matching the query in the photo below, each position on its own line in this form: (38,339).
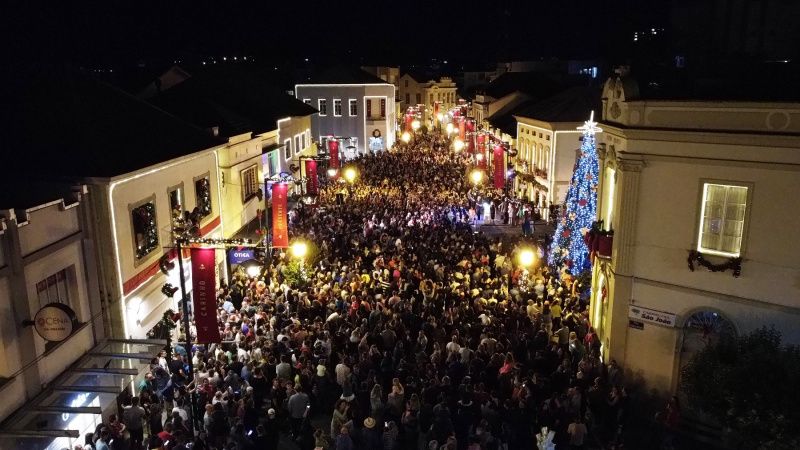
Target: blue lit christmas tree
(569,249)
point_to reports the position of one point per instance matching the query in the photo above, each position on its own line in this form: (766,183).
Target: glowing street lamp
(299,249)
(253,271)
(526,257)
(440,117)
(406,137)
(476,176)
(449,128)
(415,125)
(350,175)
(458,145)
(332,172)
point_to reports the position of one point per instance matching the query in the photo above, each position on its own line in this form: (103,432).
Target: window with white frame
(55,288)
(337,107)
(202,192)
(287,149)
(297,147)
(145,228)
(722,218)
(249,178)
(303,141)
(322,106)
(307,101)
(353,104)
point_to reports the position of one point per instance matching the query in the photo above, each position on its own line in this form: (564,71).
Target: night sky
(377,32)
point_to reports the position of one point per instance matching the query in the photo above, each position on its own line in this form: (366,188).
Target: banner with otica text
(204,295)
(280,223)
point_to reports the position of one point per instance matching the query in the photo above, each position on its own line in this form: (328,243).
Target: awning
(74,402)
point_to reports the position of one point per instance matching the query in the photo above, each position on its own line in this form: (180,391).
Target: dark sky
(113,32)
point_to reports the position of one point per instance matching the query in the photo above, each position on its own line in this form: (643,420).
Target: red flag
(462,128)
(204,290)
(280,225)
(409,119)
(471,142)
(499,167)
(312,182)
(333,151)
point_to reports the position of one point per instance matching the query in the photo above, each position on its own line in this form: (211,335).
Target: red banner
(471,144)
(409,119)
(462,128)
(312,181)
(280,225)
(470,125)
(204,294)
(499,167)
(333,151)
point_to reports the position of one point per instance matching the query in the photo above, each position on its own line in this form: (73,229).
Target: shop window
(202,191)
(145,228)
(722,219)
(249,178)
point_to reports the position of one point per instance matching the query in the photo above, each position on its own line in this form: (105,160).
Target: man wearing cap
(272,430)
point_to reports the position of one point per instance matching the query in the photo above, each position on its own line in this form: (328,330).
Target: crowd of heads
(404,327)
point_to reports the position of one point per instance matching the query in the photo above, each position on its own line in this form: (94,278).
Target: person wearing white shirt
(453,346)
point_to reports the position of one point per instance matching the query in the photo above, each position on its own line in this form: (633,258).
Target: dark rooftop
(343,75)
(232,99)
(60,123)
(572,105)
(535,84)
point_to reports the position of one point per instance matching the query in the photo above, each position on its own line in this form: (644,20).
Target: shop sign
(55,322)
(240,255)
(636,325)
(651,315)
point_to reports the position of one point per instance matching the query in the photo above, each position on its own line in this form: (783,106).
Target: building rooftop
(60,123)
(571,105)
(232,99)
(535,84)
(342,74)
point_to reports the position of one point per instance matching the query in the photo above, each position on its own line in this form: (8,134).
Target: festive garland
(734,264)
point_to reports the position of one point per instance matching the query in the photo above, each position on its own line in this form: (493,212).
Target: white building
(547,140)
(687,184)
(419,89)
(354,107)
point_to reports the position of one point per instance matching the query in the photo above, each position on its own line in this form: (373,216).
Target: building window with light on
(145,228)
(723,210)
(337,107)
(353,106)
(249,178)
(202,192)
(322,106)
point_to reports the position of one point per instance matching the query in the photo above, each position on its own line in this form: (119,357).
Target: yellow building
(687,186)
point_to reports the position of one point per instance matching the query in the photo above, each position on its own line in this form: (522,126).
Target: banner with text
(499,167)
(280,225)
(312,182)
(651,315)
(333,152)
(204,294)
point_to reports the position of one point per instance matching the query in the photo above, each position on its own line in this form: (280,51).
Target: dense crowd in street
(406,328)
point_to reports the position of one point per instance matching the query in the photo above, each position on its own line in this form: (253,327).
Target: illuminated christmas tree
(569,248)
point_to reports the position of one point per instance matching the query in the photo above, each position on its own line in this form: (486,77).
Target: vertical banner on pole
(499,167)
(333,152)
(312,181)
(204,295)
(409,119)
(471,143)
(462,128)
(280,225)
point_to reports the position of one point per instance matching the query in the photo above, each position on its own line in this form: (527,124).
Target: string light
(569,249)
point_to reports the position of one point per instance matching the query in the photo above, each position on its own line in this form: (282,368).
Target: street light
(406,137)
(526,257)
(476,176)
(440,117)
(299,249)
(458,144)
(332,172)
(253,270)
(350,175)
(449,128)
(415,125)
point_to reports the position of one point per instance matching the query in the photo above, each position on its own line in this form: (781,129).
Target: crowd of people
(405,327)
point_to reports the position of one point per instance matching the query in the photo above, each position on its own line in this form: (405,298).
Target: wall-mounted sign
(240,255)
(651,315)
(636,325)
(55,322)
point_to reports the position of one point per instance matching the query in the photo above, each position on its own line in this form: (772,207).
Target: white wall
(51,224)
